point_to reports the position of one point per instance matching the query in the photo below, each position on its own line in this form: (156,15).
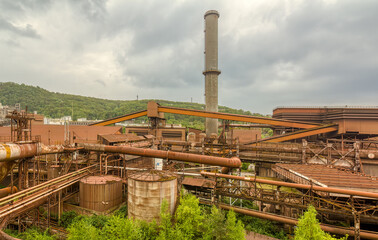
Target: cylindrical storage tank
(146,192)
(100,193)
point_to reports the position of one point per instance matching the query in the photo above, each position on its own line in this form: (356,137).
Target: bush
(191,221)
(67,218)
(82,230)
(308,227)
(31,234)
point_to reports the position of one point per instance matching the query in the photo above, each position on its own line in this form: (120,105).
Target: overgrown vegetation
(191,221)
(259,225)
(56,105)
(308,228)
(31,234)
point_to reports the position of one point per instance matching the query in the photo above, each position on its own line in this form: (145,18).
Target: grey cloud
(333,45)
(27,31)
(315,53)
(19,7)
(93,10)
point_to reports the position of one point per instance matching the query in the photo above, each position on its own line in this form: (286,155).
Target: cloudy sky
(271,53)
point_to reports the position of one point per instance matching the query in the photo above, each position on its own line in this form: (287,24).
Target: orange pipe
(186,157)
(6,191)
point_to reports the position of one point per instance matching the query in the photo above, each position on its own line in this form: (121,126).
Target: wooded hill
(56,105)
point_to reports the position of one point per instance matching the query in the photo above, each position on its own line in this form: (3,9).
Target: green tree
(235,229)
(118,227)
(189,217)
(308,227)
(167,229)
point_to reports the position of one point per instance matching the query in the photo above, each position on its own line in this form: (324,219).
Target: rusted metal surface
(225,170)
(236,117)
(8,190)
(186,157)
(53,171)
(296,185)
(100,193)
(271,197)
(298,134)
(146,193)
(208,114)
(198,182)
(118,138)
(353,120)
(50,149)
(291,221)
(5,168)
(326,176)
(11,151)
(22,201)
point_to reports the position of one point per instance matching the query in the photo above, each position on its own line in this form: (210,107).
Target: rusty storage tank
(146,192)
(100,193)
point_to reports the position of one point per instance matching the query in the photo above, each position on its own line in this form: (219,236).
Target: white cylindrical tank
(146,193)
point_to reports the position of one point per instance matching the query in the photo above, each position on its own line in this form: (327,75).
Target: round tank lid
(101,179)
(153,176)
(211,12)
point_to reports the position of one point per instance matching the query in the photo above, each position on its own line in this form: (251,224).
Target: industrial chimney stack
(211,71)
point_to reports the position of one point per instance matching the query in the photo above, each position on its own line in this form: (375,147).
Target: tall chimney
(211,71)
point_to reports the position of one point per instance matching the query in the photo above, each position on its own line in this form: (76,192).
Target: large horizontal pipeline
(291,221)
(186,157)
(295,185)
(13,151)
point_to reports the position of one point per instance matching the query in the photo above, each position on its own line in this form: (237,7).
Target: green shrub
(67,218)
(308,227)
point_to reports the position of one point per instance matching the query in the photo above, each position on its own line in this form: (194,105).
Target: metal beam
(237,117)
(299,134)
(120,118)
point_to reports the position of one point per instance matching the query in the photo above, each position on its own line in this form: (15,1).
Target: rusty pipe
(178,156)
(6,191)
(291,221)
(225,170)
(12,151)
(295,185)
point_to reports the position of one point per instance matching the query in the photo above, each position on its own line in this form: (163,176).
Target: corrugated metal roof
(152,176)
(198,182)
(101,179)
(114,138)
(325,175)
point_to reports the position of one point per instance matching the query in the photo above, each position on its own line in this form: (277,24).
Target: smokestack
(211,71)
